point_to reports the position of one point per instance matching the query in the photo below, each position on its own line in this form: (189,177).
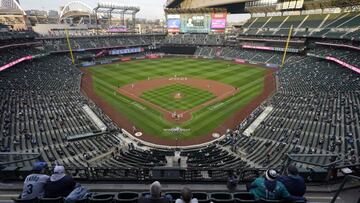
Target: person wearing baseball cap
(60,184)
(267,187)
(34,183)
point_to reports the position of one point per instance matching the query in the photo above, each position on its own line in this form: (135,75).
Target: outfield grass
(249,80)
(165,97)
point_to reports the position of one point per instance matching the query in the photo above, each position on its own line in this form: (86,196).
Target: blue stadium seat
(174,195)
(221,197)
(270,201)
(202,197)
(127,197)
(245,197)
(51,200)
(16,200)
(105,198)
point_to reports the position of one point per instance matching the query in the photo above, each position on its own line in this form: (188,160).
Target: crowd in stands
(195,39)
(59,185)
(8,36)
(256,56)
(11,54)
(347,55)
(77,43)
(335,25)
(315,111)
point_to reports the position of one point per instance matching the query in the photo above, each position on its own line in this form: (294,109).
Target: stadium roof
(262,6)
(232,6)
(194,10)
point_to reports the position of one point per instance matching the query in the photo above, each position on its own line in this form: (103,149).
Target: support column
(110,17)
(123,18)
(133,20)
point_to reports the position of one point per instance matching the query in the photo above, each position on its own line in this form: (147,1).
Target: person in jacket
(293,182)
(155,195)
(60,184)
(267,187)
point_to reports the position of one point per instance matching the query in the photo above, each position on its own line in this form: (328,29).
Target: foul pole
(286,46)
(69,45)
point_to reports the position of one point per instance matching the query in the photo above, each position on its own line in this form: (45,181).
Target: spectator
(155,195)
(232,181)
(294,183)
(186,197)
(60,185)
(268,187)
(34,183)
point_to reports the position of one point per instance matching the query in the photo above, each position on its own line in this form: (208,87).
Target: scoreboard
(196,22)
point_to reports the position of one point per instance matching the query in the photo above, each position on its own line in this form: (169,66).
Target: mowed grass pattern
(249,80)
(190,97)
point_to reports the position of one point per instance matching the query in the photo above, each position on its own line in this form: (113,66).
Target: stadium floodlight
(113,8)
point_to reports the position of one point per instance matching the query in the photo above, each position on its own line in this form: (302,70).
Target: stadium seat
(82,201)
(16,200)
(244,197)
(279,201)
(127,197)
(102,198)
(221,197)
(174,195)
(202,197)
(270,201)
(51,200)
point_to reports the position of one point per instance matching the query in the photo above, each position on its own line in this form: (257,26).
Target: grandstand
(49,111)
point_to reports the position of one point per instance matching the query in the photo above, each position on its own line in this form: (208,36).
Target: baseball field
(197,96)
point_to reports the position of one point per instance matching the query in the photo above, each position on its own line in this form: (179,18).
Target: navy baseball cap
(38,166)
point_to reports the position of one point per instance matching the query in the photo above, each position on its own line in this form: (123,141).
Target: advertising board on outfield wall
(126,51)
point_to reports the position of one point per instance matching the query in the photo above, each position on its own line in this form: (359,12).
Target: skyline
(148,9)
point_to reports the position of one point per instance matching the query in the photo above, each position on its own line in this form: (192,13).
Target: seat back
(82,201)
(245,197)
(105,198)
(127,197)
(202,197)
(51,200)
(174,195)
(221,197)
(16,200)
(144,194)
(270,201)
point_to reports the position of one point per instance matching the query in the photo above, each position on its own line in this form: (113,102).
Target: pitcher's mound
(178,95)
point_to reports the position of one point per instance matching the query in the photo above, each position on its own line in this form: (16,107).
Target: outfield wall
(187,50)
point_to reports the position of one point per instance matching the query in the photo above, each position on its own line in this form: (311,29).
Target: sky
(150,9)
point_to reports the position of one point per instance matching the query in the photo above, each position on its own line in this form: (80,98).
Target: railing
(328,167)
(12,158)
(164,174)
(341,187)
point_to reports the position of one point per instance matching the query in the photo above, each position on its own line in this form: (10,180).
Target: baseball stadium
(180,101)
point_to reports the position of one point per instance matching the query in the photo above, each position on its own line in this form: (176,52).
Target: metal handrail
(346,179)
(35,156)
